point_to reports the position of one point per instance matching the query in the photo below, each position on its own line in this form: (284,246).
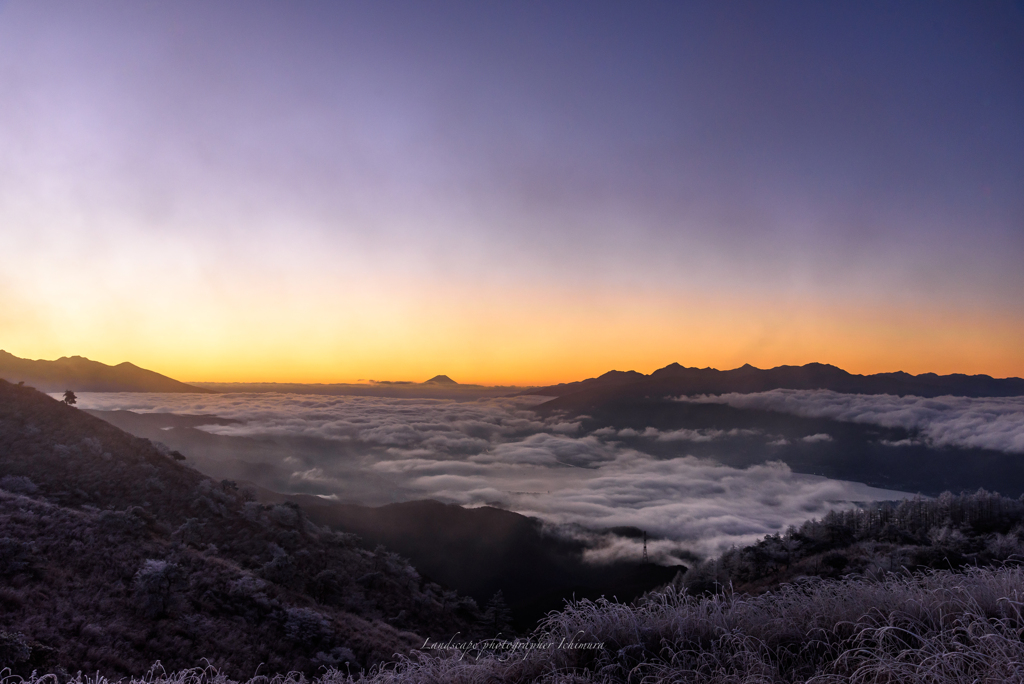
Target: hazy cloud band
(987,423)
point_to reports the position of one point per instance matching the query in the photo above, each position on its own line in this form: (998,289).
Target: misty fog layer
(995,423)
(379,450)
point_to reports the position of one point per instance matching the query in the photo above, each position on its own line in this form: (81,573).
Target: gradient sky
(525,192)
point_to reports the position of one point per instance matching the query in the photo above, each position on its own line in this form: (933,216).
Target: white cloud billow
(681,435)
(376,450)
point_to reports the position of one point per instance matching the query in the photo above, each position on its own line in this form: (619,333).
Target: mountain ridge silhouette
(677,380)
(84,375)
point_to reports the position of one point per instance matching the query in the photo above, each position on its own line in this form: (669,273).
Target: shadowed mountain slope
(82,375)
(114,555)
(480,551)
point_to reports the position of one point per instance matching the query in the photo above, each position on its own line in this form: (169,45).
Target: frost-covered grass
(927,628)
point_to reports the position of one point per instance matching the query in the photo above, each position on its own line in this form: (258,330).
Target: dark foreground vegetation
(936,628)
(949,532)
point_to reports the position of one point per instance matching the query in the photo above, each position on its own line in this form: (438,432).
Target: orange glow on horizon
(475,343)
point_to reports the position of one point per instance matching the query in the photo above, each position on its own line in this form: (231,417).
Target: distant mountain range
(677,380)
(82,375)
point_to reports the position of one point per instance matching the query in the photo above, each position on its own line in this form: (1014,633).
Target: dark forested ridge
(113,554)
(677,380)
(83,375)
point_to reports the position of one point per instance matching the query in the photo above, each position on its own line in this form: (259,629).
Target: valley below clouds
(498,452)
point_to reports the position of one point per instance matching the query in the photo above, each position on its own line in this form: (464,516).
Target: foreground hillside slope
(83,375)
(113,554)
(936,628)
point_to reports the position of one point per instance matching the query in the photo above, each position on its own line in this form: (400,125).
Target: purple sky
(531,191)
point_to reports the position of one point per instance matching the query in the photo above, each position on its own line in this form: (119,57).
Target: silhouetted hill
(676,380)
(610,379)
(440,380)
(82,375)
(113,555)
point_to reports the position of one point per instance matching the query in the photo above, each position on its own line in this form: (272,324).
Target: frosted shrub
(251,510)
(152,584)
(247,585)
(13,649)
(15,556)
(17,484)
(306,625)
(1003,546)
(948,537)
(284,515)
(92,446)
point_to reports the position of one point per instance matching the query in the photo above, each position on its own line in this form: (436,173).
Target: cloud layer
(987,423)
(499,452)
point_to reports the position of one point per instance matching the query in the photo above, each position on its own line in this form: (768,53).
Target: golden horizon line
(512,384)
(371,382)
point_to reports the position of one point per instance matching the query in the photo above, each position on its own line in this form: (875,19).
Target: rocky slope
(115,554)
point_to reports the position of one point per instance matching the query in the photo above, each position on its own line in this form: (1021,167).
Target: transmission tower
(645,548)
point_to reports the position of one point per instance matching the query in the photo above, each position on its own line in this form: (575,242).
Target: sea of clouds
(987,423)
(376,450)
